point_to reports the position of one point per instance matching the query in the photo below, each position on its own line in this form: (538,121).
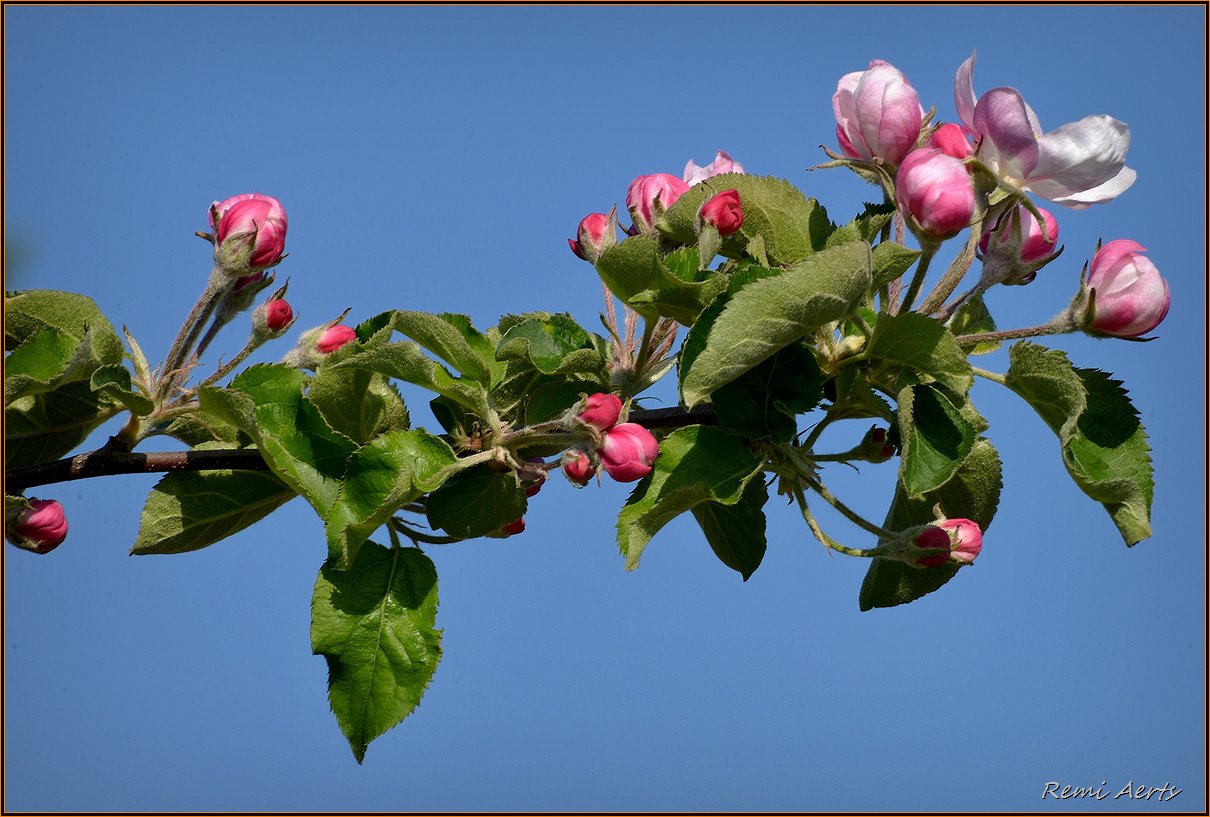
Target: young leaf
(382,476)
(891,260)
(934,436)
(33,311)
(772,313)
(374,624)
(357,403)
(910,346)
(554,345)
(114,380)
(696,464)
(43,427)
(973,317)
(788,224)
(451,338)
(761,404)
(52,358)
(736,533)
(475,502)
(1102,440)
(192,509)
(405,361)
(635,272)
(973,493)
(865,227)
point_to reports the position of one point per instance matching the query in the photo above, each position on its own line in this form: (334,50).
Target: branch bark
(108,461)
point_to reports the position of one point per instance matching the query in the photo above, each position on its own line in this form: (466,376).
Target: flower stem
(922,268)
(1060,325)
(854,517)
(953,276)
(170,374)
(992,376)
(828,541)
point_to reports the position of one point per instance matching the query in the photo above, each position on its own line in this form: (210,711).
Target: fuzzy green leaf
(770,314)
(114,380)
(405,361)
(374,624)
(913,348)
(762,403)
(635,271)
(451,338)
(357,403)
(891,260)
(1103,443)
(192,509)
(475,502)
(789,226)
(973,317)
(934,436)
(43,427)
(696,464)
(554,344)
(736,533)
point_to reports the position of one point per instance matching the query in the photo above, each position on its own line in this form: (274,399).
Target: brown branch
(108,461)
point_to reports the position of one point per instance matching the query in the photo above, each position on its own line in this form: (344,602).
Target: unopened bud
(40,528)
(600,411)
(628,452)
(578,468)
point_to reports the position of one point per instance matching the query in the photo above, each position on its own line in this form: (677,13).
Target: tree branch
(108,461)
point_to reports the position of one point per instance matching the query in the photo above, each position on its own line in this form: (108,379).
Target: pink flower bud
(278,315)
(256,218)
(649,196)
(875,446)
(628,452)
(1024,243)
(578,468)
(951,140)
(333,338)
(514,527)
(600,411)
(966,539)
(935,193)
(41,527)
(723,163)
(933,538)
(878,114)
(597,233)
(1131,296)
(533,478)
(724,212)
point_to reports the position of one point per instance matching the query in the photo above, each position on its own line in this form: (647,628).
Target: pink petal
(1081,157)
(1002,116)
(964,92)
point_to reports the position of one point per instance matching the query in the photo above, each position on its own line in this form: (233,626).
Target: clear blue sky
(438,159)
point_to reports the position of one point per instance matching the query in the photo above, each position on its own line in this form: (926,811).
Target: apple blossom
(724,212)
(1131,297)
(966,539)
(723,163)
(578,468)
(935,193)
(878,114)
(250,217)
(628,452)
(41,527)
(597,232)
(333,338)
(1080,164)
(951,140)
(1014,248)
(600,411)
(278,315)
(649,196)
(932,538)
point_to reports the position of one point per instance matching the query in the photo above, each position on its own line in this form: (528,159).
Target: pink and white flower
(1080,164)
(649,196)
(1131,297)
(878,114)
(723,163)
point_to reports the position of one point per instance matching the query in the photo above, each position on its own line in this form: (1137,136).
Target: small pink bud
(724,212)
(247,281)
(649,196)
(514,527)
(600,411)
(333,338)
(252,217)
(1132,297)
(533,478)
(951,140)
(875,446)
(597,232)
(578,468)
(935,193)
(1013,248)
(723,163)
(628,452)
(278,315)
(966,539)
(933,538)
(41,527)
(878,114)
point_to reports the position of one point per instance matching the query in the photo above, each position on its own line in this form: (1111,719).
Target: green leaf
(865,227)
(51,359)
(736,533)
(202,427)
(554,344)
(788,225)
(761,404)
(772,313)
(973,493)
(475,502)
(357,403)
(43,427)
(934,437)
(374,624)
(891,260)
(192,509)
(973,317)
(1103,443)
(31,312)
(696,464)
(114,380)
(550,400)
(635,271)
(914,348)
(405,361)
(451,338)
(382,476)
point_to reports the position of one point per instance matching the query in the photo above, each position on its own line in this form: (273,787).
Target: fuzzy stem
(170,374)
(922,268)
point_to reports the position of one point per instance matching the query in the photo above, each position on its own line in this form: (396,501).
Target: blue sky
(437,159)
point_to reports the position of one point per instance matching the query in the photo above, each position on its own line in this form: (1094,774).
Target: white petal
(1084,162)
